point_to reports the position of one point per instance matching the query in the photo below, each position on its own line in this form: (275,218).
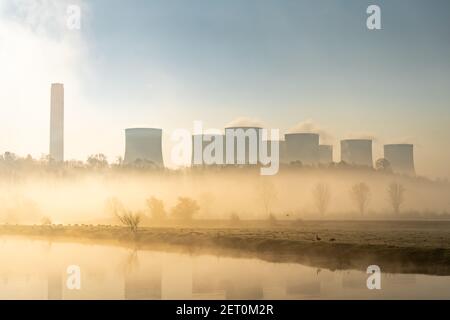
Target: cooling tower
(281,150)
(143,144)
(401,158)
(303,147)
(57,123)
(357,152)
(325,154)
(242,145)
(208,145)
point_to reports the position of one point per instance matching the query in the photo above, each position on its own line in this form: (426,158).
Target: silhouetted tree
(322,197)
(383,165)
(185,209)
(97,161)
(361,195)
(396,193)
(46,221)
(272,219)
(126,217)
(267,194)
(156,208)
(234,218)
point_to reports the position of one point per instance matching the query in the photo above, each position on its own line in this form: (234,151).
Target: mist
(72,196)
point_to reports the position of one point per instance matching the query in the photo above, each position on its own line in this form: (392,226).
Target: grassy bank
(403,247)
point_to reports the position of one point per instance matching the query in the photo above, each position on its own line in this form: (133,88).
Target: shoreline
(415,248)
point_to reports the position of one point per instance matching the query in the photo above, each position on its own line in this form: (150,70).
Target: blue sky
(168,63)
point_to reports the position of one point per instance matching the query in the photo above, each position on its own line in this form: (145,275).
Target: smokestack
(143,144)
(303,147)
(325,154)
(357,152)
(401,158)
(57,123)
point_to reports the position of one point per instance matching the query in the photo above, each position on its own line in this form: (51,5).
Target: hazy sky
(168,63)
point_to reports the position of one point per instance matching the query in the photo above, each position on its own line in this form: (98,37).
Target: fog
(72,196)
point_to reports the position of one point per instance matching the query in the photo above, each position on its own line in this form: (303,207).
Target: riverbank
(397,247)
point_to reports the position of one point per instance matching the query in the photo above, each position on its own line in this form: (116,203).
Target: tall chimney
(57,123)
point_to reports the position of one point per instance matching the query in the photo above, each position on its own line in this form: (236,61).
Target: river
(36,269)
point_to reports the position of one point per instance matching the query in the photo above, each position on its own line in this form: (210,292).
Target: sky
(293,65)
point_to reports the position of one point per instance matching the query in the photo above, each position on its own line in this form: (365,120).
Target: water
(32,269)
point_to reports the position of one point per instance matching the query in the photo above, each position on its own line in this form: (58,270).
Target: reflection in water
(32,269)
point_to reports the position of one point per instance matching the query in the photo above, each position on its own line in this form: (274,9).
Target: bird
(318,238)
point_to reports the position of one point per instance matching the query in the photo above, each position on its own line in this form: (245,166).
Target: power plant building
(357,152)
(281,150)
(400,157)
(242,145)
(325,154)
(302,147)
(145,145)
(57,123)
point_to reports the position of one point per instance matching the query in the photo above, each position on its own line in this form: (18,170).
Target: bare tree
(235,219)
(272,220)
(156,208)
(361,195)
(396,193)
(267,194)
(185,209)
(383,165)
(322,197)
(46,221)
(97,161)
(126,217)
(130,220)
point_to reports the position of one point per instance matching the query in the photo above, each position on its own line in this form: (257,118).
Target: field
(396,246)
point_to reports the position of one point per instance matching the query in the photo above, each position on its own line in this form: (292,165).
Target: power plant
(283,152)
(238,146)
(400,157)
(325,154)
(57,123)
(302,147)
(357,152)
(143,144)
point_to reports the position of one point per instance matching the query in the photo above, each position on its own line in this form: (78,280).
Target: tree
(267,194)
(156,208)
(383,165)
(235,219)
(97,161)
(185,209)
(272,219)
(46,221)
(361,195)
(126,217)
(396,193)
(322,197)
